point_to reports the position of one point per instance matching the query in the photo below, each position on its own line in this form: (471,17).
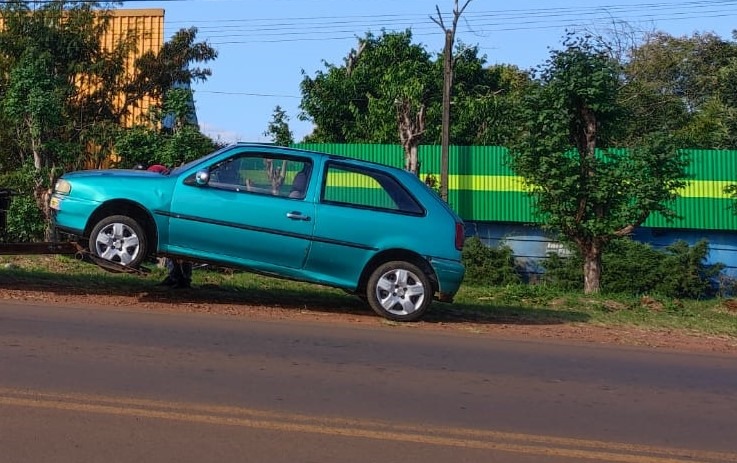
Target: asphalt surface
(102,385)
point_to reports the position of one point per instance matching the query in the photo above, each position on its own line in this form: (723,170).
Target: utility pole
(447,86)
(445,133)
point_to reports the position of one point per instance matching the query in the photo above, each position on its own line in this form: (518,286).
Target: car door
(246,213)
(361,211)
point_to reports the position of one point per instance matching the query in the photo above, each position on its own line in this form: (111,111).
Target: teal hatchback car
(372,230)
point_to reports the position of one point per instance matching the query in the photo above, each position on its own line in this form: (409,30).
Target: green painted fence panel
(483,188)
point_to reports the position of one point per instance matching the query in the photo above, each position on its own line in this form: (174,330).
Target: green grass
(549,305)
(515,304)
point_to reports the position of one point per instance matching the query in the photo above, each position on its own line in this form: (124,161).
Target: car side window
(259,174)
(226,174)
(366,188)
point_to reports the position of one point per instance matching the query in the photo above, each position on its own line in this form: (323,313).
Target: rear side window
(367,188)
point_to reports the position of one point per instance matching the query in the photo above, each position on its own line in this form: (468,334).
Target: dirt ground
(200,300)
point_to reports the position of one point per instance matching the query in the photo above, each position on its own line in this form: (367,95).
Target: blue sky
(265,45)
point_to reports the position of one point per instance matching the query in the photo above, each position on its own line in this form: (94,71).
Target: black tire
(399,291)
(119,239)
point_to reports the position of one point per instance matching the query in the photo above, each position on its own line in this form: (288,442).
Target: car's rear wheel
(399,291)
(119,239)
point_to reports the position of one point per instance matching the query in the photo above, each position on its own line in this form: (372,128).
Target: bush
(25,221)
(684,274)
(565,273)
(630,267)
(489,266)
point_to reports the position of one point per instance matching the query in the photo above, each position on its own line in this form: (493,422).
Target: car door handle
(296,215)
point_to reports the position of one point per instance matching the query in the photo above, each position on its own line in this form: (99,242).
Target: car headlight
(62,187)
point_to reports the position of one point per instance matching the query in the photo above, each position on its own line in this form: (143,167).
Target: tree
(485,100)
(684,85)
(389,90)
(33,103)
(278,128)
(383,93)
(157,73)
(580,187)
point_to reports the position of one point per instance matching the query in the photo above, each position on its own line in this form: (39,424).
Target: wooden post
(445,140)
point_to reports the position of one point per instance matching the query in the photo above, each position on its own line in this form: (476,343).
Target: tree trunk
(42,195)
(413,161)
(411,126)
(592,268)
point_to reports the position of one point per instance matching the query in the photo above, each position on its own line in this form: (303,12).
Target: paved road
(94,385)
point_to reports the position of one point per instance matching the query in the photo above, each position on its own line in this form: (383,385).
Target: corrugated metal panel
(713,165)
(148,27)
(391,155)
(483,188)
(698,213)
(464,160)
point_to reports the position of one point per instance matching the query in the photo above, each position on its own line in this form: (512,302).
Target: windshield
(189,165)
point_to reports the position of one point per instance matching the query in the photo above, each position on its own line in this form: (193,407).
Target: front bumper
(71,214)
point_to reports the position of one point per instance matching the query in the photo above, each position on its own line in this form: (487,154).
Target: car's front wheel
(119,239)
(399,291)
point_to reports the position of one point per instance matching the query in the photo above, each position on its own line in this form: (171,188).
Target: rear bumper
(450,276)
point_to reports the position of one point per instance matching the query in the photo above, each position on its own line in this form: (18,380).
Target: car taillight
(460,236)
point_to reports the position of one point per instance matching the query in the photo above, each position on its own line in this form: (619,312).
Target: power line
(264,30)
(269,95)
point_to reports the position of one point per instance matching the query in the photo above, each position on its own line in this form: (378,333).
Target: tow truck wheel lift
(72,247)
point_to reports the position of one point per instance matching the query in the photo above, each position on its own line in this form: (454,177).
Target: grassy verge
(548,305)
(518,304)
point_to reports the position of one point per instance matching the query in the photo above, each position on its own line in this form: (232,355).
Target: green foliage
(142,145)
(356,102)
(179,141)
(489,266)
(278,128)
(52,123)
(25,222)
(565,273)
(184,146)
(685,86)
(731,190)
(636,269)
(485,100)
(176,111)
(684,273)
(580,189)
(33,103)
(631,267)
(173,65)
(138,145)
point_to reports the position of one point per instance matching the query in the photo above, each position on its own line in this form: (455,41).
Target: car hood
(148,188)
(114,173)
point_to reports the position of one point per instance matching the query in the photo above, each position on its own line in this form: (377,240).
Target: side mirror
(202,177)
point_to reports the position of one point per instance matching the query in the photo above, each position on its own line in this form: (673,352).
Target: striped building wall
(483,189)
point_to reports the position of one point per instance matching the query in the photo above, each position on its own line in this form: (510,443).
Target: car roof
(336,157)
